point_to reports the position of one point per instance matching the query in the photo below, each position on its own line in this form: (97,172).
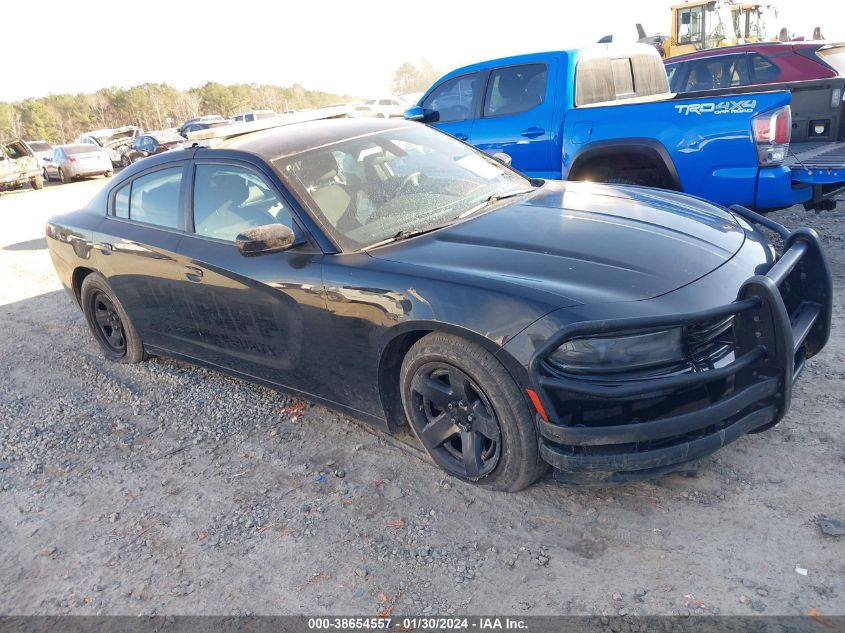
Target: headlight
(619,353)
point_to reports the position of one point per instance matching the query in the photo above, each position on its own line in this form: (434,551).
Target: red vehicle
(755,64)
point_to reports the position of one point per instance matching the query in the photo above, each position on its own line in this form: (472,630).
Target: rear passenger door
(516,117)
(256,315)
(451,106)
(135,248)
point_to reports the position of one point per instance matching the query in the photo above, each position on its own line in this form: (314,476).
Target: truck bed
(825,155)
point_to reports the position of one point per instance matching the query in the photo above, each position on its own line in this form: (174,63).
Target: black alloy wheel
(108,325)
(456,421)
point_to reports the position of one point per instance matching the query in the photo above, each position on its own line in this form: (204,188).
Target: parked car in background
(149,144)
(207,118)
(18,166)
(814,72)
(755,64)
(78,160)
(200,125)
(606,114)
(111,140)
(41,149)
(382,108)
(254,115)
(402,277)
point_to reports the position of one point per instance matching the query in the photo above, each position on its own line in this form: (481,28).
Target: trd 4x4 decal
(743,106)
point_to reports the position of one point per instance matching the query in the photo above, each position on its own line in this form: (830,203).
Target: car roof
(772,48)
(286,140)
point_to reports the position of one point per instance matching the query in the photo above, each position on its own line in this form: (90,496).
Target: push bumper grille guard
(779,320)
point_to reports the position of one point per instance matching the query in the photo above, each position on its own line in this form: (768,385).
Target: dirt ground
(161,488)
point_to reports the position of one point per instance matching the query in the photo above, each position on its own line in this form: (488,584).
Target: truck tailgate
(818,163)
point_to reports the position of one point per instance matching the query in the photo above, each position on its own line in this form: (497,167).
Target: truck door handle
(533,132)
(193,274)
(461,136)
(104,247)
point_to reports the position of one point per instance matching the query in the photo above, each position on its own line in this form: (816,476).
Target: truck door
(516,117)
(451,106)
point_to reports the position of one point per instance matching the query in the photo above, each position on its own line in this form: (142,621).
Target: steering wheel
(412,177)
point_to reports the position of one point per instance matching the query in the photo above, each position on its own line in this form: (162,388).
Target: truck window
(623,77)
(453,98)
(515,89)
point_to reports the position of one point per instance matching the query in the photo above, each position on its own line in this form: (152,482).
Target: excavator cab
(700,24)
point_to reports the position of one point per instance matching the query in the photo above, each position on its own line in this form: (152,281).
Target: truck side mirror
(416,113)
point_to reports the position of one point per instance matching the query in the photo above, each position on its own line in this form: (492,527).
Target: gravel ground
(161,488)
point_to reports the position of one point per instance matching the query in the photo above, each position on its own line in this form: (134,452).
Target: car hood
(583,243)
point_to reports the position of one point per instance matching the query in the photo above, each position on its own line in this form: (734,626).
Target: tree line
(151,106)
(62,118)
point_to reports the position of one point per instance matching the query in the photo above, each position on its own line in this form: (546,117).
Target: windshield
(370,188)
(835,57)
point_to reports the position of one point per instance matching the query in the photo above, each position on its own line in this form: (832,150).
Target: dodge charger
(396,274)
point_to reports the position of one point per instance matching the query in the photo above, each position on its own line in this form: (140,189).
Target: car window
(515,89)
(121,201)
(369,188)
(672,71)
(229,199)
(764,70)
(154,198)
(453,99)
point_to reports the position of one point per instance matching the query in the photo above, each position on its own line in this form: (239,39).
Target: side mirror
(503,158)
(263,240)
(415,113)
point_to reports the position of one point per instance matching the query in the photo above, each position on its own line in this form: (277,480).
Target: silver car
(70,162)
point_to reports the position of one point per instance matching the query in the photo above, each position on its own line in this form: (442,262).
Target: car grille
(708,343)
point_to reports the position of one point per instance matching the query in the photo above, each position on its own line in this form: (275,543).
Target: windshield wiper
(494,198)
(404,234)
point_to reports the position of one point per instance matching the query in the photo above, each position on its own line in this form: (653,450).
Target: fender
(632,146)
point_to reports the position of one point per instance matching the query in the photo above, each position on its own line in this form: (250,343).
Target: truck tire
(622,180)
(469,414)
(37,182)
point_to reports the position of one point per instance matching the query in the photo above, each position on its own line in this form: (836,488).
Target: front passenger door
(257,315)
(516,118)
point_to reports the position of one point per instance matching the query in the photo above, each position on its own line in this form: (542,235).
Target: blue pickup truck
(605,114)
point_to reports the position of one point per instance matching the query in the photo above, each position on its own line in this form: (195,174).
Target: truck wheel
(37,182)
(469,414)
(109,322)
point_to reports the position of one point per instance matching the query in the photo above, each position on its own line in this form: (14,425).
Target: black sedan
(396,274)
(150,144)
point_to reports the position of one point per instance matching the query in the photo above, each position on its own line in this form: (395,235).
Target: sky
(350,47)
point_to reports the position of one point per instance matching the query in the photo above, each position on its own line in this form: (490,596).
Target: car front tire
(469,414)
(109,323)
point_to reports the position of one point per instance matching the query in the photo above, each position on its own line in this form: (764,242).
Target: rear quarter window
(152,198)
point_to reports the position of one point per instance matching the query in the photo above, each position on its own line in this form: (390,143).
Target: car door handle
(461,136)
(193,274)
(104,247)
(533,132)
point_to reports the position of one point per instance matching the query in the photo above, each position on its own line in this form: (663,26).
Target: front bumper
(625,428)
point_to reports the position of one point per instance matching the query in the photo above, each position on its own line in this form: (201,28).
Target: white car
(382,108)
(112,141)
(254,115)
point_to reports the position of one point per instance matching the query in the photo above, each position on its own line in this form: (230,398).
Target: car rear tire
(109,323)
(469,414)
(64,179)
(37,182)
